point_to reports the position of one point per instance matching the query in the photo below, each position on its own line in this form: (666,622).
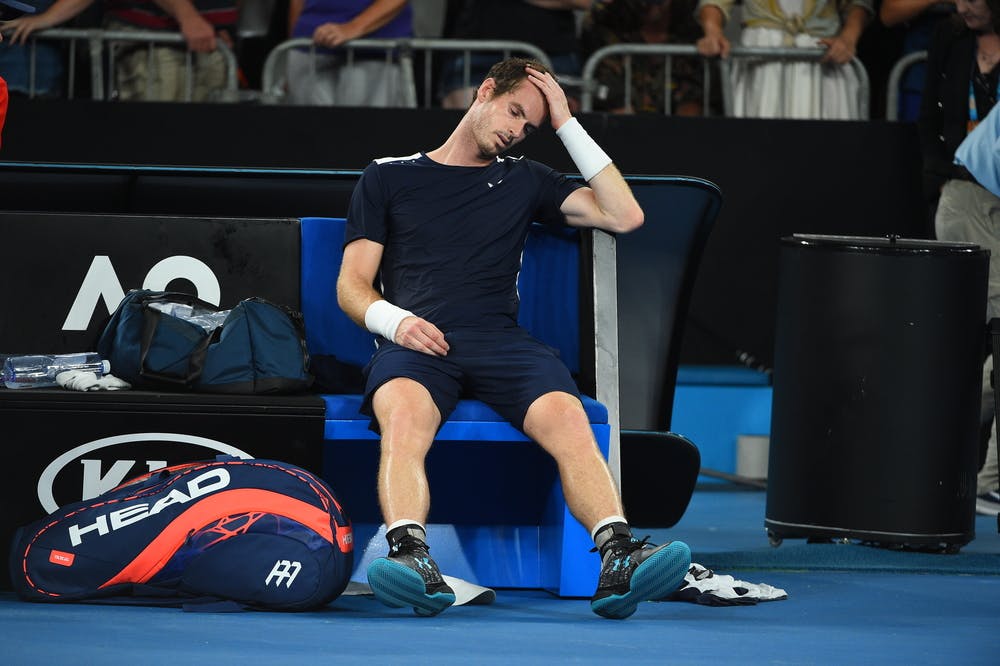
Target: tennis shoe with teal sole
(409,577)
(633,571)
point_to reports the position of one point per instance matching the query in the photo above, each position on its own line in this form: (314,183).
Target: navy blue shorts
(506,368)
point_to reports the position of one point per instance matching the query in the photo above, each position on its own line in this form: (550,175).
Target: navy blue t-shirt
(453,235)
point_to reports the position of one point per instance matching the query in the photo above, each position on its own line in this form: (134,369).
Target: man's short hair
(509,73)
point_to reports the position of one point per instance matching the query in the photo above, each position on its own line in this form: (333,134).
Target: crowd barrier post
(591,86)
(895,78)
(402,49)
(102,43)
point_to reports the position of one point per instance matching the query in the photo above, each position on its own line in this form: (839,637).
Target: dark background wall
(777,178)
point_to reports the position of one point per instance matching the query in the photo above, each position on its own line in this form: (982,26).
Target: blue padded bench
(498,517)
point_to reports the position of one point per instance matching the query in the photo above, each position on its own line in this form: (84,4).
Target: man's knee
(405,412)
(558,418)
(555,405)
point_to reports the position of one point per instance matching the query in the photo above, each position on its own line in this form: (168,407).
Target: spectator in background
(791,89)
(918,18)
(369,80)
(15,58)
(548,24)
(645,22)
(963,75)
(201,22)
(960,89)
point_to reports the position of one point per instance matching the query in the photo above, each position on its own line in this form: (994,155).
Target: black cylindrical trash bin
(877,381)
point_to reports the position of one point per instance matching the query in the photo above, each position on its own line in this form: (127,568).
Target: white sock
(608,529)
(604,523)
(410,527)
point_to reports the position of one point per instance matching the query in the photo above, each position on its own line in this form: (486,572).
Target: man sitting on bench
(444,231)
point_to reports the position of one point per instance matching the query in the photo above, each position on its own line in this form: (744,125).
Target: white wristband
(588,157)
(383,318)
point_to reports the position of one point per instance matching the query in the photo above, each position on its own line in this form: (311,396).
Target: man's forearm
(588,157)
(615,198)
(355,297)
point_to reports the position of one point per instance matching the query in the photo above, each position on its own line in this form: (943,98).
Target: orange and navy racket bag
(258,533)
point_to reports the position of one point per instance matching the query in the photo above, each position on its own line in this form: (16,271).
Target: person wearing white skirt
(771,88)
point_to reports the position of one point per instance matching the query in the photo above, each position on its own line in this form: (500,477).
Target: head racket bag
(260,533)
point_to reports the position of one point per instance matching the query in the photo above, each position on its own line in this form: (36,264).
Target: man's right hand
(422,336)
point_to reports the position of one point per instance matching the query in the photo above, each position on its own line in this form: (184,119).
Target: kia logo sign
(97,479)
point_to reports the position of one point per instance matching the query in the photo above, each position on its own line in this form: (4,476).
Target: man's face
(505,120)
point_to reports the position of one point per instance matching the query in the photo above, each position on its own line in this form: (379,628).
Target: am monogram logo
(283,571)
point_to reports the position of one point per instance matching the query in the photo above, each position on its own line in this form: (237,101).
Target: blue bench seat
(471,419)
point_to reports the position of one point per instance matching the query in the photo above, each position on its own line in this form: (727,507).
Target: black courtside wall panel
(777,178)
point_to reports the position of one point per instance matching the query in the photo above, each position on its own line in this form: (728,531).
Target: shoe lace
(625,545)
(409,544)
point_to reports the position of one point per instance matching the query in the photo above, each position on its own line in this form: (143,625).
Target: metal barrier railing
(808,54)
(591,85)
(669,51)
(101,43)
(896,75)
(400,50)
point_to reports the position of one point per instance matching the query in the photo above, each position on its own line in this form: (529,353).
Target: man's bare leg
(631,570)
(408,419)
(558,423)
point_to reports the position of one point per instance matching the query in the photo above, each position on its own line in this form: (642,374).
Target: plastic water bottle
(40,370)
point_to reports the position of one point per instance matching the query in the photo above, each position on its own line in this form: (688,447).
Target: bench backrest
(657,267)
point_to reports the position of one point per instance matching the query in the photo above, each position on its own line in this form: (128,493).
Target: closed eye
(517,111)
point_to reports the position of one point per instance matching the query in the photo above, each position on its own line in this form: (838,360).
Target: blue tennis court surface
(864,614)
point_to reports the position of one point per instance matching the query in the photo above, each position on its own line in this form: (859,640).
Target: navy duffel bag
(173,340)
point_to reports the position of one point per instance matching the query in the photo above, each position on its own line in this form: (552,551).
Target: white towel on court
(704,586)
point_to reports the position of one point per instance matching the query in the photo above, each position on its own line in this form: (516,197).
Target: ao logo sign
(97,481)
(102,282)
